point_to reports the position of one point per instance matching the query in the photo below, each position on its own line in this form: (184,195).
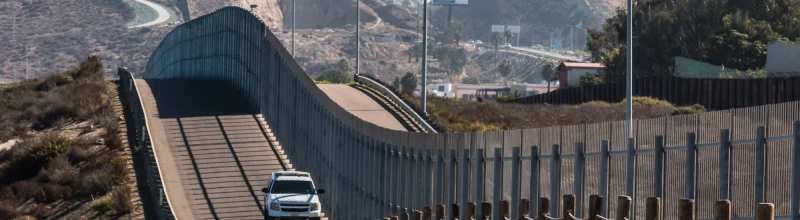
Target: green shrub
(692,109)
(641,101)
(105,203)
(509,97)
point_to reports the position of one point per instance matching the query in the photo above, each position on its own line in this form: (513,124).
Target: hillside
(538,18)
(63,151)
(57,34)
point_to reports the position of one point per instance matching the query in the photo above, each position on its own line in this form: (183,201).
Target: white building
(570,73)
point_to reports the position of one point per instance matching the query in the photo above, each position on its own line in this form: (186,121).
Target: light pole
(358,39)
(571,45)
(629,74)
(424,91)
(294,12)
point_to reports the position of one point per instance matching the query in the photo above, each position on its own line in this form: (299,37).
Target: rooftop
(583,65)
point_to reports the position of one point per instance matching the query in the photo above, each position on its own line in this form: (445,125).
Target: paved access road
(361,105)
(213,152)
(546,53)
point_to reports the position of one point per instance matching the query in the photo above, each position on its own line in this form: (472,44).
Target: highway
(547,54)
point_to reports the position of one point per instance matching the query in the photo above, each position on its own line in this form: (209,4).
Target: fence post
(534,181)
(544,208)
(471,209)
(603,178)
(479,181)
(464,182)
(658,172)
(568,207)
(555,179)
(524,208)
(724,164)
(439,212)
(795,200)
(486,209)
(630,168)
(437,179)
(595,207)
(497,183)
(515,176)
(653,209)
(623,208)
(760,167)
(578,187)
(427,213)
(394,178)
(766,211)
(451,195)
(691,164)
(417,215)
(454,212)
(722,210)
(686,209)
(427,178)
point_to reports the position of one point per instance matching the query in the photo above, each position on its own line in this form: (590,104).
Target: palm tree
(549,73)
(497,39)
(508,35)
(505,68)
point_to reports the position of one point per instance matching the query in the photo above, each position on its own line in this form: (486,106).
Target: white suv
(291,195)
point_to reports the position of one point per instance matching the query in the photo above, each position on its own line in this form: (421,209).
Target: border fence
(712,93)
(748,155)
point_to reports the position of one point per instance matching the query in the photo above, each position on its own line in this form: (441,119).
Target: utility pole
(571,44)
(551,40)
(27,65)
(14,26)
(424,91)
(519,25)
(358,36)
(294,12)
(629,74)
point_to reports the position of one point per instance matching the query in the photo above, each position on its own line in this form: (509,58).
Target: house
(782,59)
(489,92)
(570,73)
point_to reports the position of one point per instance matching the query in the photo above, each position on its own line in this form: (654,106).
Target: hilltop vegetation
(733,33)
(67,161)
(459,115)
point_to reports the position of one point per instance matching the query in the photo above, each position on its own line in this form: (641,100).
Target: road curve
(163,14)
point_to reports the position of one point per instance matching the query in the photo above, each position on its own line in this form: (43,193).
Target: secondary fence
(653,210)
(160,200)
(713,93)
(745,155)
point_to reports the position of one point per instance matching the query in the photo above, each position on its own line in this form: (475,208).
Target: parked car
(507,46)
(471,41)
(291,194)
(479,42)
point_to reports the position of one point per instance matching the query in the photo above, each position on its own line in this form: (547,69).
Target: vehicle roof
(291,176)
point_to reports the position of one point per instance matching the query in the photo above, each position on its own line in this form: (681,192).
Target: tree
(414,50)
(453,58)
(733,33)
(409,83)
(591,80)
(507,36)
(396,82)
(549,73)
(452,33)
(497,39)
(505,68)
(334,75)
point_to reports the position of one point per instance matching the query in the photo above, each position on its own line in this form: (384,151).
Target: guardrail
(373,172)
(161,203)
(372,83)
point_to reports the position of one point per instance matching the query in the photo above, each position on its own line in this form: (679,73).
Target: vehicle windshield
(293,187)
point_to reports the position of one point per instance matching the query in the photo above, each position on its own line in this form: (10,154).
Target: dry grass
(458,115)
(53,163)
